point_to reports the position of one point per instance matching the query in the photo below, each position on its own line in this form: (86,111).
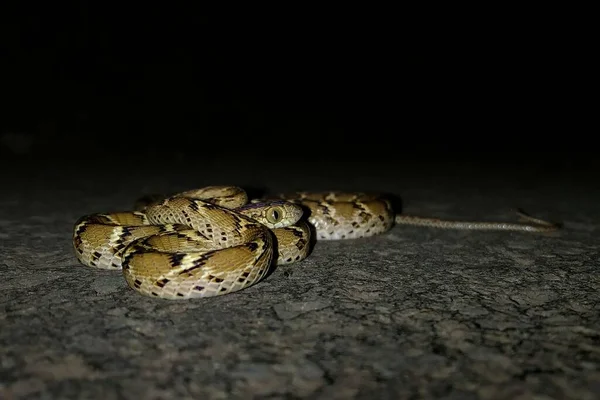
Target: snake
(214,240)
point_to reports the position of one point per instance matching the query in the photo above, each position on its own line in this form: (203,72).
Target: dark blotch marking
(245,274)
(301,243)
(154,294)
(358,206)
(365,217)
(162,282)
(96,255)
(237,221)
(175,259)
(137,283)
(197,264)
(381,218)
(223,289)
(199,288)
(179,294)
(81,229)
(289,259)
(126,260)
(120,247)
(210,206)
(324,209)
(252,246)
(298,233)
(241,280)
(194,206)
(125,232)
(297,258)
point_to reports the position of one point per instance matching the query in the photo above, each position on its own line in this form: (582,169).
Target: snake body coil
(211,241)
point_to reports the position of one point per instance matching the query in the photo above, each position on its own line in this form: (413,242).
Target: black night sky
(110,80)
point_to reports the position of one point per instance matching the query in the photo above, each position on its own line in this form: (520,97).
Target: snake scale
(214,241)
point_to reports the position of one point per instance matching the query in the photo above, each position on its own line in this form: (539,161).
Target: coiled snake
(212,241)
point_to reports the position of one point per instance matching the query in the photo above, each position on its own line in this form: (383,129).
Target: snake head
(273,214)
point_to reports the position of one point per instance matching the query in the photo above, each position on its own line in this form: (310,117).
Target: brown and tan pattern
(211,241)
(200,243)
(339,215)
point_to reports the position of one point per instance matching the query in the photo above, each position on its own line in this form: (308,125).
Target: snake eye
(274,215)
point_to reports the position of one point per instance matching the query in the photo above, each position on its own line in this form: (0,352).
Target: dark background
(462,113)
(108,81)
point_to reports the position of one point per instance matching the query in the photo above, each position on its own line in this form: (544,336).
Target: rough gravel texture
(415,313)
